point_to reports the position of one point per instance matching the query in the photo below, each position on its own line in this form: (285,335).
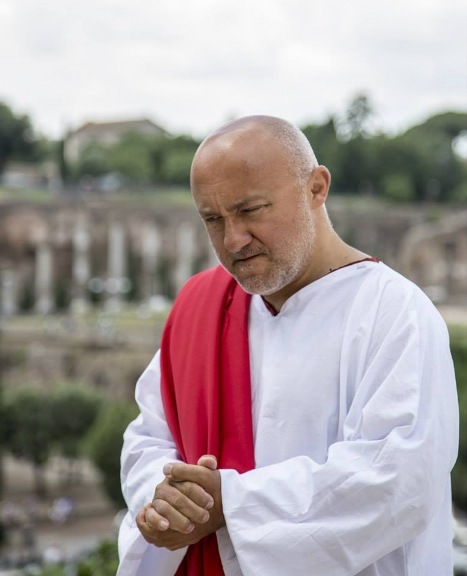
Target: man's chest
(296,388)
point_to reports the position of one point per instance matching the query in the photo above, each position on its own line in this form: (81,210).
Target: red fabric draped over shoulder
(205,386)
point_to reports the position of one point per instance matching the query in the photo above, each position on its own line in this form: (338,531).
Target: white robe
(355,429)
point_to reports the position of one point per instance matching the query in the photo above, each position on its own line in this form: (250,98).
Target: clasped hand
(187,505)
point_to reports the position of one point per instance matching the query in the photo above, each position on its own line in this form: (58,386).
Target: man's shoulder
(376,281)
(397,292)
(398,283)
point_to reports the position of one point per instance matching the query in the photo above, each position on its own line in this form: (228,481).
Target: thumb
(208,461)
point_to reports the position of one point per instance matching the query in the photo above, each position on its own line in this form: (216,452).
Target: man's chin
(253,285)
(250,286)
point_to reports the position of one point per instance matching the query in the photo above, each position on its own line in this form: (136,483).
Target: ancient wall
(69,254)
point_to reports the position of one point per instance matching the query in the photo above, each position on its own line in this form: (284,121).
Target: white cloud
(190,65)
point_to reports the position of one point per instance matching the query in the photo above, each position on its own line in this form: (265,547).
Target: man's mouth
(245,259)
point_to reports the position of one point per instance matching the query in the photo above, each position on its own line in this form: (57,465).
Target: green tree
(324,141)
(29,431)
(176,154)
(357,118)
(347,147)
(94,161)
(459,473)
(398,187)
(177,166)
(104,445)
(141,159)
(352,170)
(73,412)
(17,139)
(62,162)
(459,194)
(418,165)
(449,123)
(2,420)
(438,171)
(131,158)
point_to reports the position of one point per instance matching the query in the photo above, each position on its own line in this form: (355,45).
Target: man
(301,416)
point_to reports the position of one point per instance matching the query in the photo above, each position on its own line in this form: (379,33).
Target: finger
(185,497)
(177,520)
(170,539)
(173,498)
(208,461)
(194,493)
(150,530)
(208,479)
(185,473)
(154,520)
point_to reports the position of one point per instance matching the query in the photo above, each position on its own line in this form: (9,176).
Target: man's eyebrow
(204,213)
(244,202)
(248,201)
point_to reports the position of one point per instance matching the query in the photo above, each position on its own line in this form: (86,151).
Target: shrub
(104,445)
(459,473)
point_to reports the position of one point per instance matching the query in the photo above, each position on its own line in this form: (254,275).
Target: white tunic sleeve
(384,479)
(147,447)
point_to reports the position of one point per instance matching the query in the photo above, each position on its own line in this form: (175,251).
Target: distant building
(107,134)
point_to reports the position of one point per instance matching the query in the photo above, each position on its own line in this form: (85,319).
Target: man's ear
(319,183)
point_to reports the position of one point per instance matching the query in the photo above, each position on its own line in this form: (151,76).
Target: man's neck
(334,255)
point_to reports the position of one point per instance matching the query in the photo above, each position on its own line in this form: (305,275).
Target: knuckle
(160,489)
(182,486)
(178,500)
(186,525)
(190,489)
(160,506)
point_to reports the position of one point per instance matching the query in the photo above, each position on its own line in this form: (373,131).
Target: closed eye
(254,208)
(211,218)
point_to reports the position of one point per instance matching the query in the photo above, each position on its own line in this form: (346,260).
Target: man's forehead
(245,149)
(232,141)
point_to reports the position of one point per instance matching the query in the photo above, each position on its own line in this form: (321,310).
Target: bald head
(252,139)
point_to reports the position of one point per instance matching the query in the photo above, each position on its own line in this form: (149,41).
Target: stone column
(43,283)
(9,284)
(150,250)
(185,252)
(117,281)
(81,269)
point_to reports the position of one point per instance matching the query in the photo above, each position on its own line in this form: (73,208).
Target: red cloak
(205,385)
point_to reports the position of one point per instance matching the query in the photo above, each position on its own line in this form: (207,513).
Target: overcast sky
(190,65)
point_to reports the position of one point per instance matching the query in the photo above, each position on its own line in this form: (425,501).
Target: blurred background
(102,106)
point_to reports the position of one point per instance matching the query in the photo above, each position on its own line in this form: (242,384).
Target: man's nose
(236,236)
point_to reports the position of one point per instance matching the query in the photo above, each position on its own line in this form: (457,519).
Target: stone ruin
(69,254)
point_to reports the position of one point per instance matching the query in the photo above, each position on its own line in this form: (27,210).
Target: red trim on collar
(270,307)
(369,259)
